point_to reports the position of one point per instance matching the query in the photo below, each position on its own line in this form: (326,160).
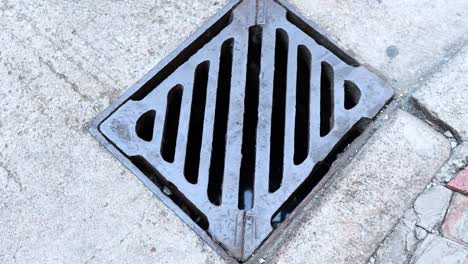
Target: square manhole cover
(238,125)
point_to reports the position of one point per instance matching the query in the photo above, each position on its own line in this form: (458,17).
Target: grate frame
(173,56)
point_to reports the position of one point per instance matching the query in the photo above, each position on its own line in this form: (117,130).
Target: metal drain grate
(242,121)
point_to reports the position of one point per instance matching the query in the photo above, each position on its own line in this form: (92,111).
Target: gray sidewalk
(65,199)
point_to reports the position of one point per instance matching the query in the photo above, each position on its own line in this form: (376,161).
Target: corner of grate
(242,122)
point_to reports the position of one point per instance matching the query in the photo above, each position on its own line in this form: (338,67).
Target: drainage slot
(301,130)
(218,153)
(171,123)
(318,173)
(249,133)
(352,95)
(171,191)
(327,99)
(183,56)
(145,125)
(320,39)
(278,111)
(197,114)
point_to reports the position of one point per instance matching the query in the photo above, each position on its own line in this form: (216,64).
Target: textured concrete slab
(368,197)
(436,250)
(454,165)
(103,47)
(450,87)
(404,40)
(431,207)
(397,247)
(455,226)
(63,198)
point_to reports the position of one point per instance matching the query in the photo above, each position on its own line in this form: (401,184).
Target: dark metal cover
(228,127)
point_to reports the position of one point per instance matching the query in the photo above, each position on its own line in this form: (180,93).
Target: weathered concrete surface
(397,247)
(455,226)
(402,39)
(429,210)
(63,198)
(102,47)
(369,195)
(457,162)
(450,87)
(437,250)
(431,207)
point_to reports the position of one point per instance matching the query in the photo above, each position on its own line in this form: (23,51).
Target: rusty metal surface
(200,130)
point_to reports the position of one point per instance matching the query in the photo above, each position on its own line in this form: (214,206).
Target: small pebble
(453,144)
(167,191)
(420,233)
(459,164)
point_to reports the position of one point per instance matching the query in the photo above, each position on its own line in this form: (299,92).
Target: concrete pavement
(64,199)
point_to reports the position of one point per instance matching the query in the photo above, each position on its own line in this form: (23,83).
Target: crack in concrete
(124,238)
(68,43)
(409,253)
(92,257)
(433,120)
(452,51)
(78,64)
(50,66)
(401,221)
(439,228)
(12,175)
(407,103)
(63,77)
